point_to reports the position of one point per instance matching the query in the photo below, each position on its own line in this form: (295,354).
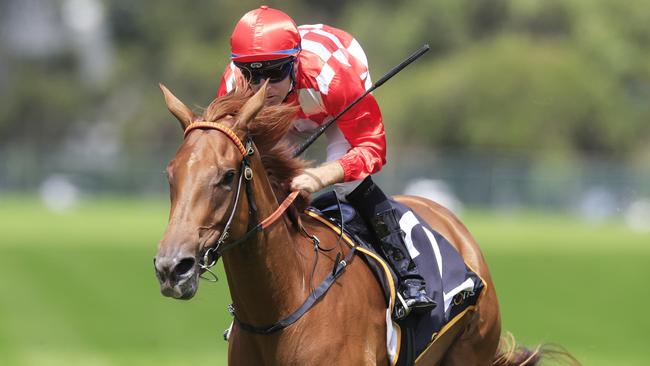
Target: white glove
(314,179)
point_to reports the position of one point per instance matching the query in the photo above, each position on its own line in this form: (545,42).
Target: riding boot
(373,206)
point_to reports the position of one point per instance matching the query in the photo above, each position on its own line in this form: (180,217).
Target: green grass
(572,284)
(79,288)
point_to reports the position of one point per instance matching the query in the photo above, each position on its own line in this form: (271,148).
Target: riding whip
(374,86)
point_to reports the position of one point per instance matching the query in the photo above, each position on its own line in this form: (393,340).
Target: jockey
(322,69)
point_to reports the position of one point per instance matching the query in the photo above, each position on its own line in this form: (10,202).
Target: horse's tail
(509,353)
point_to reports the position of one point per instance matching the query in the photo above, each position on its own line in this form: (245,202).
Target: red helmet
(264,34)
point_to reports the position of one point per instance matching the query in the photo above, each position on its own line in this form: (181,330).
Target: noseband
(213,253)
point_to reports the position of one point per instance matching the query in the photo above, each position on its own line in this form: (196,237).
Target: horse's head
(204,178)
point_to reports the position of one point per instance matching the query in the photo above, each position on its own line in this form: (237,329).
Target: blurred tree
(510,95)
(486,17)
(528,77)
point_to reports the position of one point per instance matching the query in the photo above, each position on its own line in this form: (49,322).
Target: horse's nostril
(160,272)
(185,265)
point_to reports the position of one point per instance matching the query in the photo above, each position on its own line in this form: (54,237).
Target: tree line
(525,77)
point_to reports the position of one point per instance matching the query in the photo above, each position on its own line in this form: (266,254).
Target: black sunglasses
(272,74)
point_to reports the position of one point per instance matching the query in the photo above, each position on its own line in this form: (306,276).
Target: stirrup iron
(401,310)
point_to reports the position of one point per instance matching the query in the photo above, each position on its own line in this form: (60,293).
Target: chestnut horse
(272,268)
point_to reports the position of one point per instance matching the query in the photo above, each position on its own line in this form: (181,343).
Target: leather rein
(215,251)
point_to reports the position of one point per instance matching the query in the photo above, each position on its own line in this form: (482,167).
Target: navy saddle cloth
(449,281)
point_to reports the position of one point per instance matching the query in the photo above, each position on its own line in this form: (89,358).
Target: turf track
(79,288)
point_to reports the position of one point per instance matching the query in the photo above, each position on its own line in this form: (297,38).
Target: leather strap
(273,217)
(217,126)
(311,300)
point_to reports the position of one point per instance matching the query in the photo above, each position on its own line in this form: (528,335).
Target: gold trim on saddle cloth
(458,317)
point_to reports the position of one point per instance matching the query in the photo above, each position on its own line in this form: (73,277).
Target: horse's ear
(252,107)
(184,115)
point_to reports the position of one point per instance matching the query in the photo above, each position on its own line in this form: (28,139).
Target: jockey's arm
(361,126)
(363,129)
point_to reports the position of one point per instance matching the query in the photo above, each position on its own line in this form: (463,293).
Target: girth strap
(316,295)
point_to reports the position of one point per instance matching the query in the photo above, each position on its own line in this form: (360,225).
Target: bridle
(246,174)
(213,252)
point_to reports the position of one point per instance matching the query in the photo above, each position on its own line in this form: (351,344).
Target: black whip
(374,86)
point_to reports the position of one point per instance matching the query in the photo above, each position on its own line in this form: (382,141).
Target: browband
(217,126)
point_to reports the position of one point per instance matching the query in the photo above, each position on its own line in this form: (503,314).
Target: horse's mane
(267,131)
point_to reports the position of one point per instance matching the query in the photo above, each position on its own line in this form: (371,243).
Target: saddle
(449,280)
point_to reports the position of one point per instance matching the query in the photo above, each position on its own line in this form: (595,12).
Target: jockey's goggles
(273,70)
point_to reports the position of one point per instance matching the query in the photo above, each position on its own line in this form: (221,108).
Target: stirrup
(401,310)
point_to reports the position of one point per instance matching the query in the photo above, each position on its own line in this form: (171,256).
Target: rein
(219,248)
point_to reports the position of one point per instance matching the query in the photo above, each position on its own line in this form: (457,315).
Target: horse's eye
(228,178)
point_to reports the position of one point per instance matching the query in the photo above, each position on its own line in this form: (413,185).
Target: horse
(273,253)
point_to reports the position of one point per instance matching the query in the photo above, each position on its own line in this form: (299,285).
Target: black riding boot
(374,207)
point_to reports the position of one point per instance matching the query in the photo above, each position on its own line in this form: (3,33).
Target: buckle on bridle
(248,173)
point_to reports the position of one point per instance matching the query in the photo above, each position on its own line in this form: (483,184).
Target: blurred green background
(79,288)
(528,118)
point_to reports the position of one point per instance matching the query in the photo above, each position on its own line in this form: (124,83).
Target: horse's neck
(265,274)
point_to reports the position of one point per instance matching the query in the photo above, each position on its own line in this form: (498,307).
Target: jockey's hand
(307,182)
(314,179)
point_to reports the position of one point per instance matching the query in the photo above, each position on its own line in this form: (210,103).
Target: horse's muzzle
(178,278)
